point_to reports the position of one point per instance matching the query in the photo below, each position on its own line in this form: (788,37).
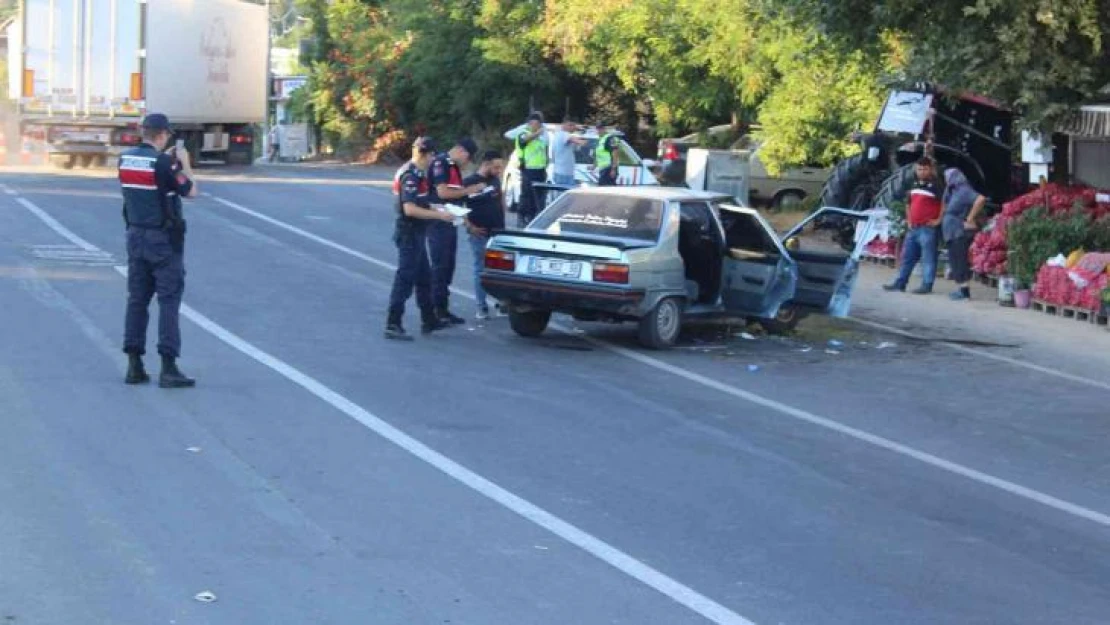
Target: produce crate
(1070,312)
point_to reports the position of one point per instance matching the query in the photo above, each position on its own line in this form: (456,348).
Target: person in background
(531,144)
(275,142)
(923,215)
(487,213)
(563,162)
(446,182)
(414,213)
(605,156)
(962,205)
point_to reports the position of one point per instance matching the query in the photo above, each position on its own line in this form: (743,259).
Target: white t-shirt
(562,153)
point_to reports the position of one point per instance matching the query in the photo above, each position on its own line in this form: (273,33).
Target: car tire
(788,200)
(784,322)
(659,329)
(529,324)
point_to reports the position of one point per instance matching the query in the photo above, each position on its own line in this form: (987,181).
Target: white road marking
(623,562)
(985,354)
(304,233)
(777,406)
(8,190)
(57,227)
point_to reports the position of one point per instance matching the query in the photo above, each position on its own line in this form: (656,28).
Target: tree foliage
(1043,57)
(808,71)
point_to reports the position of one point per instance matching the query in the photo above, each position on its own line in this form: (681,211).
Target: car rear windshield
(618,217)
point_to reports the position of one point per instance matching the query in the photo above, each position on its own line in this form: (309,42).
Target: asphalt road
(321,474)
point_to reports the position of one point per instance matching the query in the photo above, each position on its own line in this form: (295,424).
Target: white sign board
(1034,149)
(906,112)
(293,140)
(289,85)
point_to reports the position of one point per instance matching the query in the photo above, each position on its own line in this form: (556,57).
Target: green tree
(1043,58)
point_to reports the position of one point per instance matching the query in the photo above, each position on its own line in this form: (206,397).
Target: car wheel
(788,200)
(660,328)
(529,324)
(784,322)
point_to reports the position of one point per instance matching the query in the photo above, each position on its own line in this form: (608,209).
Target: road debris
(835,343)
(205,596)
(753,368)
(746,336)
(886,345)
(832,352)
(193,450)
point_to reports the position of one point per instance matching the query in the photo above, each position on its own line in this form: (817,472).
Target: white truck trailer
(84,72)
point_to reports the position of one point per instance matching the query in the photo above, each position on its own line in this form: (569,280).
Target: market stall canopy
(1092,120)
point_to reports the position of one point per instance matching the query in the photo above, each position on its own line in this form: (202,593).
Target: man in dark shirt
(923,215)
(414,215)
(487,213)
(153,183)
(446,182)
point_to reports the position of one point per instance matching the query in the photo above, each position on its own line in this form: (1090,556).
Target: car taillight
(503,261)
(241,139)
(670,152)
(611,273)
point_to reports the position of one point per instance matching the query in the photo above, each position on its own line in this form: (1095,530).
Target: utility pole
(269,83)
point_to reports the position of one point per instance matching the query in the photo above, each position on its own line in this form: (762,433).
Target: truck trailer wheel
(895,188)
(529,324)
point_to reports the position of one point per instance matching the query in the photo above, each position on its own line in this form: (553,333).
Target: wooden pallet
(1070,312)
(987,279)
(885,261)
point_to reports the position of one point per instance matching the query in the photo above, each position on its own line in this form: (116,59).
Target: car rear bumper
(562,296)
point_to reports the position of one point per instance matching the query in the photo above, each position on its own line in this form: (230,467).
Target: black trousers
(959,257)
(414,273)
(155,266)
(531,198)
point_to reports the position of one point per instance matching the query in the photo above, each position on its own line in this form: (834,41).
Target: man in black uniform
(487,213)
(153,184)
(414,213)
(443,238)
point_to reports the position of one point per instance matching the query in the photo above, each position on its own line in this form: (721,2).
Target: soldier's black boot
(396,332)
(136,373)
(393,328)
(172,377)
(430,322)
(449,318)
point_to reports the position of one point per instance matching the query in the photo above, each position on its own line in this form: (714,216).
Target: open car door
(828,260)
(759,276)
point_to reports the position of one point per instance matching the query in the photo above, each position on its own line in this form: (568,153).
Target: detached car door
(828,257)
(758,275)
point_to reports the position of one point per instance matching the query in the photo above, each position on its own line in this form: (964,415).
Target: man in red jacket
(923,215)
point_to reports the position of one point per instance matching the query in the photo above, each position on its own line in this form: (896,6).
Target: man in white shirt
(563,162)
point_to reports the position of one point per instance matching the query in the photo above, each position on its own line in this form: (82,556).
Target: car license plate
(85,137)
(555,267)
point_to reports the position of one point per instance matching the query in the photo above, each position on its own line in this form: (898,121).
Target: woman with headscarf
(962,205)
